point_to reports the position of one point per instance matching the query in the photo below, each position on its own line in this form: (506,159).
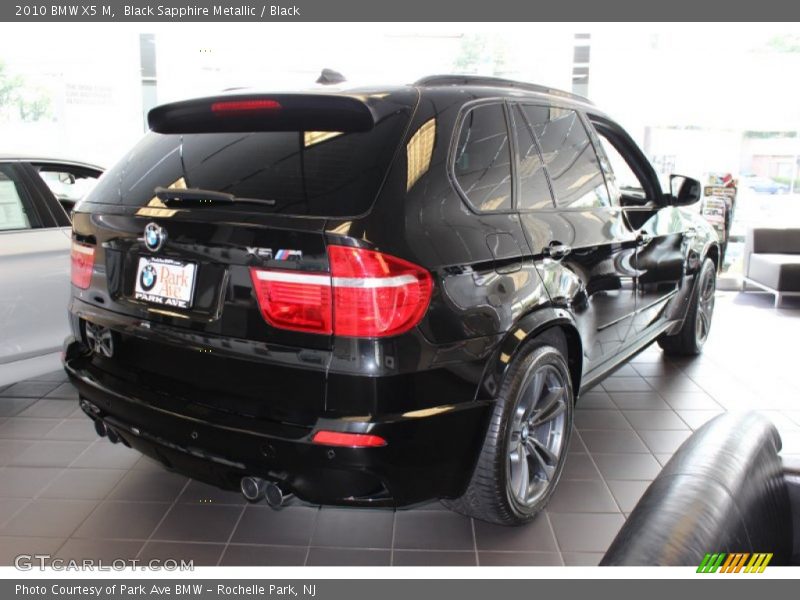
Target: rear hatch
(177,232)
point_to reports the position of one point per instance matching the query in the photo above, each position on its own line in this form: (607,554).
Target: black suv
(377,296)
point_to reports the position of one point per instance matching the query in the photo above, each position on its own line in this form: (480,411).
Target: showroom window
(12,210)
(482,162)
(569,157)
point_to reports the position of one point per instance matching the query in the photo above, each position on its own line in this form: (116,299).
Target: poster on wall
(719,202)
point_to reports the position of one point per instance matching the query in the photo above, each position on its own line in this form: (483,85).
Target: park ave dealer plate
(165,281)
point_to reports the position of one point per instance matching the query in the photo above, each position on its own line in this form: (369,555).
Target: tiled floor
(67,493)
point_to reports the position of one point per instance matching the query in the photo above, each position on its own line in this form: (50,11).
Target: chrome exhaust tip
(100,428)
(253,488)
(113,436)
(275,495)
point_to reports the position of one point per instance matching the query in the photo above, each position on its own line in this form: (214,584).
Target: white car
(36,195)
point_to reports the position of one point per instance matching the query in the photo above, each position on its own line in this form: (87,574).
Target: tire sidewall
(708,267)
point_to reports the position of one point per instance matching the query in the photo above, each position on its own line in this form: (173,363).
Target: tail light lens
(82,264)
(366,294)
(292,300)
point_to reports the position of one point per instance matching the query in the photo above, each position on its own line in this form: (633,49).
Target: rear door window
(534,190)
(482,163)
(569,157)
(15,211)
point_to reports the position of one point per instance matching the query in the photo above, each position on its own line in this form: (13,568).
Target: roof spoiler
(263,112)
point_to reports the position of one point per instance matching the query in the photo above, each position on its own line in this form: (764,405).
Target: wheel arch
(554,322)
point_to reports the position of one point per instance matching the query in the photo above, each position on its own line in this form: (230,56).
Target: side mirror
(683,191)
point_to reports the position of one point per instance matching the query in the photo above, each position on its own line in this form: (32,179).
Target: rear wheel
(692,336)
(526,445)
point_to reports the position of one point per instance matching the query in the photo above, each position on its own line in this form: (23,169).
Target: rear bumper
(430,453)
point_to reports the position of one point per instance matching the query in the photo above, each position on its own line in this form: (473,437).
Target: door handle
(643,238)
(556,250)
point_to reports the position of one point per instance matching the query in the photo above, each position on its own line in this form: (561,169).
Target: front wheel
(525,448)
(692,336)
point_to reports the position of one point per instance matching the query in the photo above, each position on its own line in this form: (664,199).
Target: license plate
(165,281)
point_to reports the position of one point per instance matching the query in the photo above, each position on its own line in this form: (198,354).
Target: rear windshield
(314,173)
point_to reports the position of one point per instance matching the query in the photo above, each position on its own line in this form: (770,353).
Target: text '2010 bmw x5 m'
(377,297)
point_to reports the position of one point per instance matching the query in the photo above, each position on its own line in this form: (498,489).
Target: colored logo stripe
(734,562)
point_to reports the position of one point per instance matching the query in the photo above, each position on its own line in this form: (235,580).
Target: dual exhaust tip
(255,488)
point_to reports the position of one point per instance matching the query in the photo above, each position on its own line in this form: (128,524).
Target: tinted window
(534,191)
(12,210)
(483,158)
(319,173)
(569,156)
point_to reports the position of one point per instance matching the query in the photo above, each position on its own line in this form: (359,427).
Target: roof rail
(480,80)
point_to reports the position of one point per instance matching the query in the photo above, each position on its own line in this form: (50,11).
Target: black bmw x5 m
(377,297)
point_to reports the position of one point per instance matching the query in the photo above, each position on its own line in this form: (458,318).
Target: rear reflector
(236,106)
(366,294)
(82,264)
(350,440)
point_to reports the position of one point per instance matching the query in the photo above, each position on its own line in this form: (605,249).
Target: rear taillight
(349,440)
(82,264)
(239,106)
(366,294)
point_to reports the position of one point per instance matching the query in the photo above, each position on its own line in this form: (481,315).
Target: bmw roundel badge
(154,236)
(148,278)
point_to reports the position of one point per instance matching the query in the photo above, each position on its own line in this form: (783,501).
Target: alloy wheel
(705,306)
(538,433)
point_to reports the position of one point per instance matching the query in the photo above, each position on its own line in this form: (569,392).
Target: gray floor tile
(48,518)
(56,408)
(595,399)
(26,429)
(49,454)
(613,441)
(639,401)
(655,369)
(10,449)
(663,457)
(627,493)
(11,547)
(105,550)
(580,466)
(625,384)
(29,389)
(695,419)
(674,384)
(58,376)
(571,531)
(690,401)
(65,390)
(73,429)
(432,530)
(122,520)
(25,482)
(9,507)
(520,559)
(83,484)
(434,558)
(630,466)
(198,492)
(102,454)
(198,523)
(536,536)
(149,486)
(600,419)
(264,556)
(582,559)
(357,528)
(663,441)
(358,557)
(10,407)
(291,526)
(582,497)
(655,419)
(201,555)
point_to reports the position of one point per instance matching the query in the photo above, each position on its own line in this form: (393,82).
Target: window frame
(59,213)
(465,109)
(27,197)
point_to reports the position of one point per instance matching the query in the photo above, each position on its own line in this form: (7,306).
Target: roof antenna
(330,77)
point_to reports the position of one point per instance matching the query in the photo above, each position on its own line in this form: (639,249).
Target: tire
(692,336)
(495,492)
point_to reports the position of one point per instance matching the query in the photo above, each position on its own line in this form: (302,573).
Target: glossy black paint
(208,389)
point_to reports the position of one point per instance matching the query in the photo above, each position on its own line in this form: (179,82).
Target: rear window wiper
(170,196)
